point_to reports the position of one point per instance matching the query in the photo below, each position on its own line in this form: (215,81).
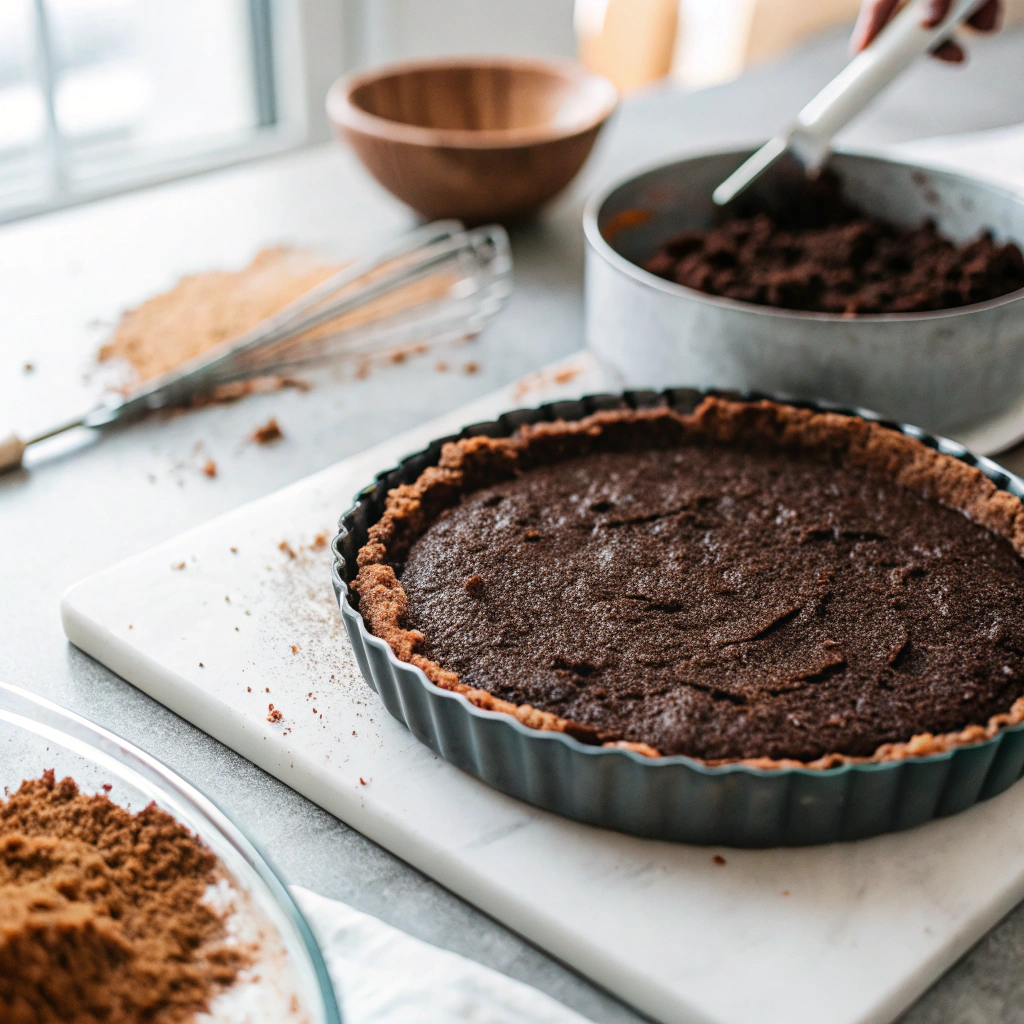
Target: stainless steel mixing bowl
(959,372)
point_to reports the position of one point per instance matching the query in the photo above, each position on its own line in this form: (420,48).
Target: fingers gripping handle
(897,46)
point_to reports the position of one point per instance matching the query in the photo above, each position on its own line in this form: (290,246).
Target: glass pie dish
(288,980)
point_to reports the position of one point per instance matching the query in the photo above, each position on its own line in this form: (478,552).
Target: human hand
(875,13)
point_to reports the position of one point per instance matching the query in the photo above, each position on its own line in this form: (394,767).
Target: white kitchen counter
(67,275)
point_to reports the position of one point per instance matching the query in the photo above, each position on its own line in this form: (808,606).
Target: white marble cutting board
(843,934)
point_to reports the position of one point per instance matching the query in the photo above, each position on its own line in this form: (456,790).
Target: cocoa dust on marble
(543,379)
(308,618)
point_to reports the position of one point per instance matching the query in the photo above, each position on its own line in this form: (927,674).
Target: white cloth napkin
(997,153)
(384,976)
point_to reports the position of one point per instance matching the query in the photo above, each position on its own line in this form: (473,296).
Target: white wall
(321,39)
(386,30)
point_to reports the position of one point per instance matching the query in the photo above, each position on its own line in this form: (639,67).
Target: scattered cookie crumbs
(248,689)
(295,648)
(362,781)
(268,689)
(471,368)
(268,433)
(237,630)
(319,541)
(178,565)
(400,355)
(130,626)
(533,535)
(234,551)
(785,892)
(544,378)
(210,468)
(441,367)
(286,548)
(719,860)
(474,584)
(28,368)
(224,394)
(275,715)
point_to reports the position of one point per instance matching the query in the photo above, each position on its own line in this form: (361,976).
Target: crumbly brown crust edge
(476,462)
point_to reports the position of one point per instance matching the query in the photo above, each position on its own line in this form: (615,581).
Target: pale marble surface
(233,619)
(75,516)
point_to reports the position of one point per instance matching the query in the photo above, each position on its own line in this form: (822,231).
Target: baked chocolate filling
(723,602)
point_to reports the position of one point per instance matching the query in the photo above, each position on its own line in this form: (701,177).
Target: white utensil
(894,49)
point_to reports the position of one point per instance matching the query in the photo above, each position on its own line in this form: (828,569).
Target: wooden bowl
(480,139)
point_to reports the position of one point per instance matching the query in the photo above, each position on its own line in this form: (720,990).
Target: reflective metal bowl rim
(1003,479)
(81,735)
(603,249)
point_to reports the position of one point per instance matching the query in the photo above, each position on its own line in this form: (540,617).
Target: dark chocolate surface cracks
(723,603)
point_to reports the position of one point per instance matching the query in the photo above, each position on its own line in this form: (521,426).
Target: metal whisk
(437,283)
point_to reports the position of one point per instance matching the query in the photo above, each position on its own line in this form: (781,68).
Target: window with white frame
(99,95)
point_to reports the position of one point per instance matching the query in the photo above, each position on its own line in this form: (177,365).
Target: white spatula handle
(897,46)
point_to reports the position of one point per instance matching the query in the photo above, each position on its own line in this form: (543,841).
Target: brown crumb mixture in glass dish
(103,916)
(128,898)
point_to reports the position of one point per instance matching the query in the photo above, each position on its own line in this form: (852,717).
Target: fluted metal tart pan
(673,797)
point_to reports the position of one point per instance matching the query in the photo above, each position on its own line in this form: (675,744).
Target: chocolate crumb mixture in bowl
(822,254)
(700,617)
(883,285)
(128,898)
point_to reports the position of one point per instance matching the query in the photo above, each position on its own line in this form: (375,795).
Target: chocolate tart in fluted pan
(699,616)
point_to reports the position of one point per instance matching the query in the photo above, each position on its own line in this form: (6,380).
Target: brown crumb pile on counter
(204,310)
(207,309)
(101,918)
